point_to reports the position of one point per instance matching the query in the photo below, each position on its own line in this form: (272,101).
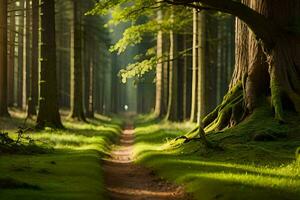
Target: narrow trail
(125,180)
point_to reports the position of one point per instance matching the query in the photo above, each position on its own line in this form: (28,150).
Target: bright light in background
(126,107)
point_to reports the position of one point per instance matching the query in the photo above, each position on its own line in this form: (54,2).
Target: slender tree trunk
(76,66)
(3,59)
(26,56)
(195,67)
(33,99)
(172,112)
(11,60)
(202,104)
(159,105)
(48,114)
(20,54)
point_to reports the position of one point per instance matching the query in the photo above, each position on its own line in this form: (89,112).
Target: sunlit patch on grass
(244,170)
(71,170)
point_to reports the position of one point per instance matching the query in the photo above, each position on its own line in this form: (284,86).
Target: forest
(149,99)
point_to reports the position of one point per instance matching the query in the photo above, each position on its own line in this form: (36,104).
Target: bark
(276,43)
(195,67)
(20,55)
(48,114)
(11,60)
(33,97)
(159,98)
(172,110)
(26,56)
(202,65)
(90,99)
(3,59)
(76,67)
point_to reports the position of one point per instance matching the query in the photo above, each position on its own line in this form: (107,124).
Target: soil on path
(125,180)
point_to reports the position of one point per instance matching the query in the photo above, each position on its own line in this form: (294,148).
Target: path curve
(125,180)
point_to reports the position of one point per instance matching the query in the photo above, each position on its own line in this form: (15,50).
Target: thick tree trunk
(48,114)
(265,69)
(76,67)
(3,59)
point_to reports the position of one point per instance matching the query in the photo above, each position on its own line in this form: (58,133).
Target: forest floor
(61,165)
(244,169)
(125,180)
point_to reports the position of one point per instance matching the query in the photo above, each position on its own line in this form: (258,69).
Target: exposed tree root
(201,137)
(230,112)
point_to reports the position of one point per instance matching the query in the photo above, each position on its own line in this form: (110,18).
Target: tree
(202,66)
(33,96)
(11,50)
(19,80)
(48,114)
(3,59)
(275,30)
(27,55)
(195,67)
(76,66)
(159,95)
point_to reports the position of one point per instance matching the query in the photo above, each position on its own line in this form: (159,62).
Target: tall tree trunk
(172,112)
(20,54)
(202,104)
(159,105)
(3,59)
(76,66)
(26,56)
(195,67)
(48,114)
(33,97)
(11,60)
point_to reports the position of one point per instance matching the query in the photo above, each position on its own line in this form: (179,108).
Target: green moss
(244,170)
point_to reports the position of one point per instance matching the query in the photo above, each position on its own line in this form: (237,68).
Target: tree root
(230,112)
(202,138)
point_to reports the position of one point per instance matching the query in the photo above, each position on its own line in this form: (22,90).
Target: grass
(70,168)
(246,169)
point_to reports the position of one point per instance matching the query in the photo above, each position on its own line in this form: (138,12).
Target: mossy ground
(246,169)
(70,168)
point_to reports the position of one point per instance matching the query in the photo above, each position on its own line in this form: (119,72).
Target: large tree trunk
(76,67)
(48,114)
(3,58)
(265,69)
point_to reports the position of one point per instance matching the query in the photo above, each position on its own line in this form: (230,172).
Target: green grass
(71,168)
(246,169)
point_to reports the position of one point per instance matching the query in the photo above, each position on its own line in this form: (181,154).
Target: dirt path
(126,181)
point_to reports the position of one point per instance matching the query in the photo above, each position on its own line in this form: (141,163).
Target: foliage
(134,11)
